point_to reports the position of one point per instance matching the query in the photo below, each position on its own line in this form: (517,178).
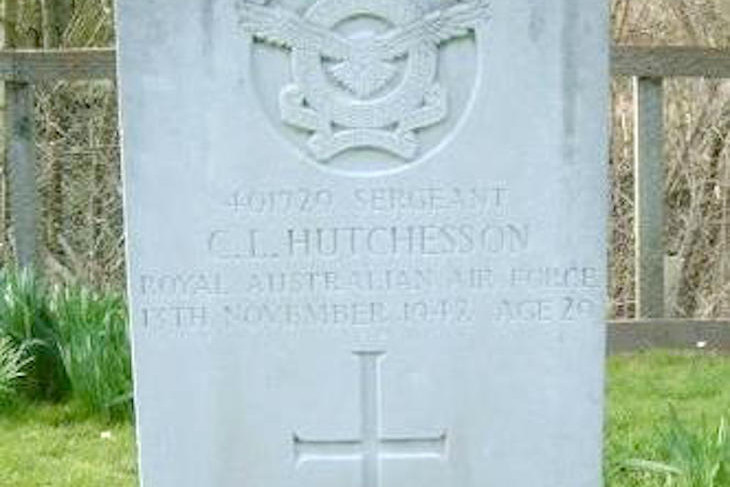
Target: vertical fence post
(4,37)
(649,194)
(55,15)
(20,160)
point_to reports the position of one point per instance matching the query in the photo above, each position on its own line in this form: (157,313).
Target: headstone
(366,240)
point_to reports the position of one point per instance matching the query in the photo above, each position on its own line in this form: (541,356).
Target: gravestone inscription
(366,240)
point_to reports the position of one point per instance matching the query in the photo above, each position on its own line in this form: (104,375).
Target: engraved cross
(372,447)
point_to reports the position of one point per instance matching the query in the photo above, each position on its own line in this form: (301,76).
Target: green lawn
(641,389)
(54,446)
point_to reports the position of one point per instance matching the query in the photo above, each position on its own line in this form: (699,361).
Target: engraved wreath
(377,113)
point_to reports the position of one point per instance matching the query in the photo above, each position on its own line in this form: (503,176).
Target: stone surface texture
(366,240)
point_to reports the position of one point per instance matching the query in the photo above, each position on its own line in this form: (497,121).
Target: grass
(27,322)
(695,458)
(64,342)
(665,408)
(95,349)
(52,445)
(62,446)
(12,365)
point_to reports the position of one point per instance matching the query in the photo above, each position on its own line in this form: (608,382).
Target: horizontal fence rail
(72,64)
(679,334)
(671,61)
(648,62)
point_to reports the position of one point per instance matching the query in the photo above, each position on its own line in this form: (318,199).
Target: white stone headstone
(366,240)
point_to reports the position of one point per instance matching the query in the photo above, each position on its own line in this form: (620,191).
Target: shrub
(95,349)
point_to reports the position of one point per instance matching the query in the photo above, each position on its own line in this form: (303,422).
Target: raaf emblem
(368,89)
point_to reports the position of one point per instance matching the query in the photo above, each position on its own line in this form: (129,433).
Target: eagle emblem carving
(371,88)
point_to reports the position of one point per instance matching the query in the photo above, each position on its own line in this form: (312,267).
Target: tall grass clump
(95,349)
(690,458)
(67,342)
(26,322)
(12,368)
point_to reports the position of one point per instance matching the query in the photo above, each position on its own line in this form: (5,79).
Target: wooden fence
(648,66)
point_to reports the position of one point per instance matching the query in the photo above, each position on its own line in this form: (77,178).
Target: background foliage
(697,189)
